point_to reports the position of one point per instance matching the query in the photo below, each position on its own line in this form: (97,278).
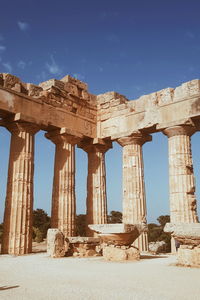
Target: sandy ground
(37,276)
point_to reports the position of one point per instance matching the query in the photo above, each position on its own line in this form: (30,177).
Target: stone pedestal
(134,201)
(83,246)
(183,208)
(96,184)
(188,256)
(187,235)
(55,243)
(17,237)
(63,212)
(120,253)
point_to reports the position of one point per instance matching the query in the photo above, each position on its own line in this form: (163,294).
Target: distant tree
(156,233)
(38,235)
(41,223)
(115,217)
(163,220)
(81,225)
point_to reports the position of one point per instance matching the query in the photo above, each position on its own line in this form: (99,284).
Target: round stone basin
(118,239)
(118,234)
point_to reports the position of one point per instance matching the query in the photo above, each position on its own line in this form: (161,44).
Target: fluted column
(17,237)
(183,208)
(96,184)
(134,200)
(63,213)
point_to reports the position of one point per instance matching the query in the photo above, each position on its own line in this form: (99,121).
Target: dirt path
(38,277)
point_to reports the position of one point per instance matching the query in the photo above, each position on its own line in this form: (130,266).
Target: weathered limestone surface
(52,104)
(185,233)
(116,240)
(188,235)
(157,247)
(134,199)
(83,246)
(55,243)
(183,206)
(189,257)
(119,234)
(96,183)
(63,198)
(97,120)
(117,253)
(151,112)
(17,238)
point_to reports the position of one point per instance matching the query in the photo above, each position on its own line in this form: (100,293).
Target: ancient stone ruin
(116,240)
(71,116)
(188,237)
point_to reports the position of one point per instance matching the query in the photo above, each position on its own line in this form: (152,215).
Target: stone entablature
(61,103)
(151,113)
(53,104)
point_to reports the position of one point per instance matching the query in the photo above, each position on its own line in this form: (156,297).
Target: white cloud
(78,76)
(100,69)
(113,38)
(21,64)
(8,67)
(53,67)
(23,26)
(190,34)
(43,76)
(191,69)
(108,15)
(2,48)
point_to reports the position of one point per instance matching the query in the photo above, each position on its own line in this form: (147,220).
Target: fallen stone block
(157,247)
(188,256)
(119,254)
(55,243)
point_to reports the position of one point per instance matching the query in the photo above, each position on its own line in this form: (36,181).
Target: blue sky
(133,47)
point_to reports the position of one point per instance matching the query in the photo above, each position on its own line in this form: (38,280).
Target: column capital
(17,127)
(58,137)
(97,147)
(135,138)
(179,130)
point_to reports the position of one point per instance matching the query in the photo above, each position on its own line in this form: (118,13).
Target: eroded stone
(55,243)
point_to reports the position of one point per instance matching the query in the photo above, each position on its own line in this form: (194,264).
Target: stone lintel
(19,117)
(64,135)
(182,122)
(135,138)
(179,130)
(20,122)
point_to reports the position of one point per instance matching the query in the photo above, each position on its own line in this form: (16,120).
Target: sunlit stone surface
(71,116)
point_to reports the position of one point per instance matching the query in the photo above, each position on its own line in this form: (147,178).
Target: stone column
(96,184)
(134,200)
(17,237)
(63,213)
(183,208)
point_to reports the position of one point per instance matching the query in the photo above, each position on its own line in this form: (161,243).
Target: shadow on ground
(152,256)
(5,287)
